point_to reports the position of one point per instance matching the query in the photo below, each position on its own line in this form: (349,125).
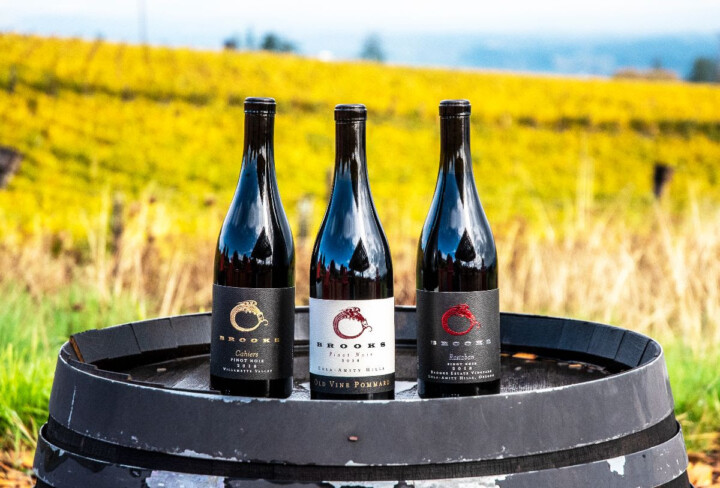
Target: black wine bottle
(458,326)
(352,327)
(251,348)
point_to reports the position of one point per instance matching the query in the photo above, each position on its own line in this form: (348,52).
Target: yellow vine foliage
(99,120)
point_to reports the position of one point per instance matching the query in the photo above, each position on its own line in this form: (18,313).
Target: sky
(178,19)
(555,36)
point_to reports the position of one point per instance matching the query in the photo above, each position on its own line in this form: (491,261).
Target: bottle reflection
(253,269)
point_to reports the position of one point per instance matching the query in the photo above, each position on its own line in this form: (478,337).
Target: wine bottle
(352,327)
(253,319)
(458,318)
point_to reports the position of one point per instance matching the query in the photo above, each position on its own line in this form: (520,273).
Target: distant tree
(273,42)
(372,49)
(231,43)
(704,70)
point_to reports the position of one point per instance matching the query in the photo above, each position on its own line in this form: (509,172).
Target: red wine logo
(247,307)
(463,311)
(353,314)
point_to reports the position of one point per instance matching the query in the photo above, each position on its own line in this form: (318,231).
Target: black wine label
(252,333)
(458,336)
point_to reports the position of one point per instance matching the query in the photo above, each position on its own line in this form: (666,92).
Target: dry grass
(662,279)
(15,469)
(704,470)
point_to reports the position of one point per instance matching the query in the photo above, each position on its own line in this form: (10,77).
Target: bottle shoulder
(351,250)
(456,220)
(256,225)
(258,260)
(351,220)
(456,250)
(363,250)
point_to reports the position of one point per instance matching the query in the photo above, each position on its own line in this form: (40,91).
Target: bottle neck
(455,145)
(258,150)
(350,158)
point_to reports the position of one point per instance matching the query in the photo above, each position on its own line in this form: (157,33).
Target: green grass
(31,332)
(695,381)
(33,328)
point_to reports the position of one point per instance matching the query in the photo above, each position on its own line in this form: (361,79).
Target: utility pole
(717,63)
(142,18)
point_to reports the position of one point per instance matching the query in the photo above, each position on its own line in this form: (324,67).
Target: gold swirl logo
(248,307)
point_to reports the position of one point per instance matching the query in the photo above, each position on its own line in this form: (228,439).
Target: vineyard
(130,155)
(93,118)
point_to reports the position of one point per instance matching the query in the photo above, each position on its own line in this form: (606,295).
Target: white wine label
(458,336)
(252,333)
(352,345)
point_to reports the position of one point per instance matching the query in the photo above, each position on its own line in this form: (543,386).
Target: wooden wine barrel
(581,404)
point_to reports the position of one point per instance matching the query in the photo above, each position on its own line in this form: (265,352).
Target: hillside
(130,156)
(99,118)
